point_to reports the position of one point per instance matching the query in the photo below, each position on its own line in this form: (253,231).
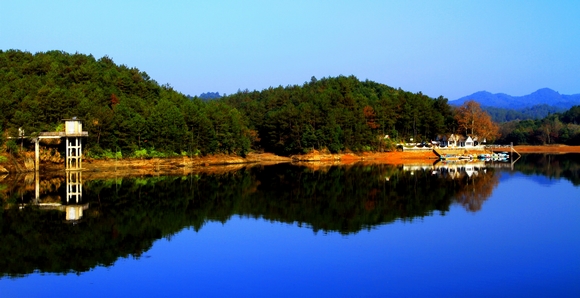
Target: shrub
(140,153)
(12,147)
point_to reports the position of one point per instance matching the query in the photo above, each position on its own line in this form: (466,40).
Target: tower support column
(73,153)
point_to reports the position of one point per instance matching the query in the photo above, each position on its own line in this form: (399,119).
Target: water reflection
(477,184)
(47,194)
(127,215)
(555,166)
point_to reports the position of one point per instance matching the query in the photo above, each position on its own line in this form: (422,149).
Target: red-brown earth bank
(221,163)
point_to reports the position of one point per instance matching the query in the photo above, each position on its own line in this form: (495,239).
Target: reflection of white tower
(74,186)
(75,212)
(74,193)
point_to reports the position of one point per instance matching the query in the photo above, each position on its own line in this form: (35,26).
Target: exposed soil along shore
(395,157)
(133,166)
(227,163)
(547,149)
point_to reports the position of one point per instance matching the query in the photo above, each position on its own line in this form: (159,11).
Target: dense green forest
(535,112)
(559,128)
(129,114)
(126,111)
(339,114)
(122,108)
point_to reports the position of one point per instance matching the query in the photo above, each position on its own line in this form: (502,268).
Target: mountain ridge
(538,97)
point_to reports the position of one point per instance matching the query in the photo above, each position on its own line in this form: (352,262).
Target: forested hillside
(129,114)
(341,113)
(559,128)
(535,112)
(122,108)
(537,105)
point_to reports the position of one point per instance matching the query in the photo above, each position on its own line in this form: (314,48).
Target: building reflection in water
(450,170)
(475,182)
(74,193)
(73,205)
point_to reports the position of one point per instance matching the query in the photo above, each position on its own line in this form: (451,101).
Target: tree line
(338,114)
(122,108)
(501,115)
(129,114)
(558,128)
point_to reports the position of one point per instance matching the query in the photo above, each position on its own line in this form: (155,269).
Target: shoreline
(552,149)
(226,163)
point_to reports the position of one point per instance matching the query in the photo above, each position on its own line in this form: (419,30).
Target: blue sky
(449,48)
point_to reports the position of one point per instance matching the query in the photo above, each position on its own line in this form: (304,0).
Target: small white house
(469,142)
(458,141)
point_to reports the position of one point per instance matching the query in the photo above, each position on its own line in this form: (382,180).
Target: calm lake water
(475,230)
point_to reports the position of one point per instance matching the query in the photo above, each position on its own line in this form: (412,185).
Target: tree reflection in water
(474,182)
(476,190)
(126,215)
(551,165)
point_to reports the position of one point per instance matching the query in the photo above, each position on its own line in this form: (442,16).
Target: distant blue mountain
(207,96)
(210,95)
(500,100)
